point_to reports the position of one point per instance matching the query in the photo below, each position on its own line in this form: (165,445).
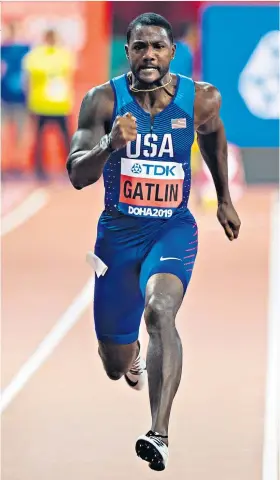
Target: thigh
(40,122)
(61,122)
(21,117)
(174,253)
(118,303)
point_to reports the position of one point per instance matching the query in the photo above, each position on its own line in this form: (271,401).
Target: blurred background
(234,47)
(62,418)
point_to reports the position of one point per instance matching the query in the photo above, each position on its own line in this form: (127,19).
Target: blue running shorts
(134,250)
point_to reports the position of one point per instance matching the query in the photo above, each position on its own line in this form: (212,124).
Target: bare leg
(117,359)
(164,295)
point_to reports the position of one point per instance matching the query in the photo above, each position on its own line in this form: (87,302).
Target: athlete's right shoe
(137,375)
(152,449)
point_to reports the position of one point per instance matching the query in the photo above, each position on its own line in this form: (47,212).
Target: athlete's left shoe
(152,449)
(137,375)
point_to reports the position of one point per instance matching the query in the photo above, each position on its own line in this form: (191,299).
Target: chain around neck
(133,89)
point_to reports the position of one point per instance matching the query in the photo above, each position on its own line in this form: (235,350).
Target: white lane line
(270,470)
(50,342)
(27,208)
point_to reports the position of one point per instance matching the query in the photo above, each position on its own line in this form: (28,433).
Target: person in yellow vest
(49,72)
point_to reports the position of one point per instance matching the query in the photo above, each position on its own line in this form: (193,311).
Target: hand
(229,220)
(124,130)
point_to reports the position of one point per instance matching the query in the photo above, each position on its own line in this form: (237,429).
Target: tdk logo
(155,170)
(136,168)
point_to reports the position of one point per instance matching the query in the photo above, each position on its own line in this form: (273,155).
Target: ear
(173,50)
(126,51)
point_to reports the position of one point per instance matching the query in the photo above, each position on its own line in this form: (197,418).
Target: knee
(114,367)
(114,370)
(159,313)
(114,374)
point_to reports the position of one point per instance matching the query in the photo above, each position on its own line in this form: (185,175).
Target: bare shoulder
(96,106)
(207,102)
(207,92)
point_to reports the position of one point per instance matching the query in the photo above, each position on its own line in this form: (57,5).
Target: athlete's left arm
(212,143)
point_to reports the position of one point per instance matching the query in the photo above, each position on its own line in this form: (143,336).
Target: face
(50,38)
(11,31)
(149,53)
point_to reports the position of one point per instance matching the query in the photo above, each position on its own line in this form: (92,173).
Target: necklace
(133,89)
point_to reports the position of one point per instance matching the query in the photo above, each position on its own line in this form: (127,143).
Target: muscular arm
(88,155)
(213,146)
(211,137)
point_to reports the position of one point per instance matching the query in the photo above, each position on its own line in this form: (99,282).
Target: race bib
(150,188)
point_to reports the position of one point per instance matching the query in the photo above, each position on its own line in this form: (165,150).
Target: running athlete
(137,130)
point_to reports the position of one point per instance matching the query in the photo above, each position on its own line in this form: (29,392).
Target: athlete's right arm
(93,143)
(89,148)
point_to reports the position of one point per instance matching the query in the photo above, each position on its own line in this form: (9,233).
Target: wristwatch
(106,143)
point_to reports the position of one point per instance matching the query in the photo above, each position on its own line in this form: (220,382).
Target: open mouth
(149,69)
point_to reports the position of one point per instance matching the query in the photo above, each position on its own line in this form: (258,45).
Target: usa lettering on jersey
(152,150)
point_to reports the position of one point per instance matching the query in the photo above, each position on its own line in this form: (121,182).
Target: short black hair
(150,19)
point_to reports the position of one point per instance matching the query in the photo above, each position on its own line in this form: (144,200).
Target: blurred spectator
(13,100)
(184,56)
(50,68)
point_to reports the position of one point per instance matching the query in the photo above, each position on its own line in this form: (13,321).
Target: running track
(68,421)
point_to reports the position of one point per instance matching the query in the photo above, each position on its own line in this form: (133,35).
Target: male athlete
(137,130)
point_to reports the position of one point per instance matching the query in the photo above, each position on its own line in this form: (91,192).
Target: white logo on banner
(259,80)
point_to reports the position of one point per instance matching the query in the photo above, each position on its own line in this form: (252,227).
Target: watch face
(104,142)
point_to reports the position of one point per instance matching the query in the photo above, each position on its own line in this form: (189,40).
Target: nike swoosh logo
(169,258)
(130,382)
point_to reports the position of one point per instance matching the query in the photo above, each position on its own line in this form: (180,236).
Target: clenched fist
(229,220)
(124,130)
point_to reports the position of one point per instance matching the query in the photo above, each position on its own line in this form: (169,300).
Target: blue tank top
(151,176)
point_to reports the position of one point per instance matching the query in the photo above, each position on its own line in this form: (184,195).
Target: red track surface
(71,422)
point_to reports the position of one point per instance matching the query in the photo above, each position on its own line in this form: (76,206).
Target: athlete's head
(150,47)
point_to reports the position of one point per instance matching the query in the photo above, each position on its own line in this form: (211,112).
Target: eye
(137,47)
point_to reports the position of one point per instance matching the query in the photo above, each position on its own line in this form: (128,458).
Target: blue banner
(240,56)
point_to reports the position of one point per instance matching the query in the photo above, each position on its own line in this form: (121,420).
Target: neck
(152,91)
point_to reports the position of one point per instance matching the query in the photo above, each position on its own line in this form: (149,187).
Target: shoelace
(136,368)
